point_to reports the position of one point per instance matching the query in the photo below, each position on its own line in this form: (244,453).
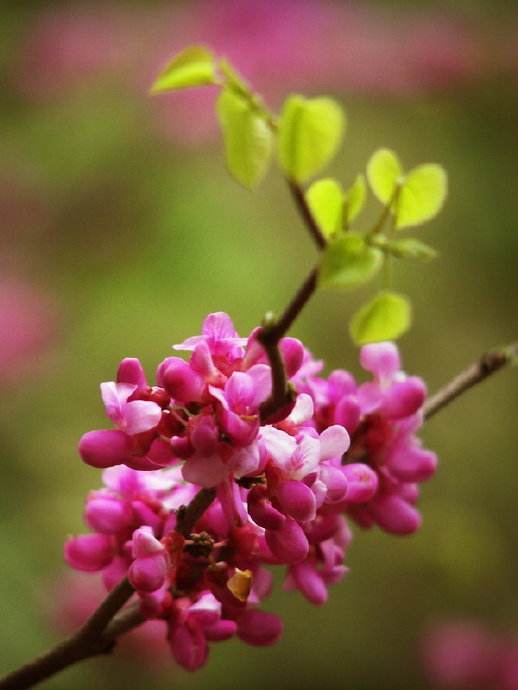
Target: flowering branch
(488,364)
(100,632)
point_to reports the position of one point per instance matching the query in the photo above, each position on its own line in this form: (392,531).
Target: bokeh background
(120,230)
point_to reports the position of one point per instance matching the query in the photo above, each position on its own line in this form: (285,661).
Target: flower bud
(395,515)
(106,514)
(89,552)
(259,627)
(104,448)
(362,482)
(297,500)
(179,380)
(404,398)
(131,371)
(289,543)
(262,511)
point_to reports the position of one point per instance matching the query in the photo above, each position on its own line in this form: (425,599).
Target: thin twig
(304,210)
(487,365)
(188,516)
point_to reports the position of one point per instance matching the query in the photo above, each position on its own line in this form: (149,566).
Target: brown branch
(304,210)
(488,364)
(188,516)
(100,632)
(278,405)
(269,336)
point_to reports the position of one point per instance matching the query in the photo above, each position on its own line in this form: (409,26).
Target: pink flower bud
(179,380)
(310,582)
(348,413)
(261,510)
(107,514)
(189,646)
(335,481)
(131,371)
(292,352)
(413,464)
(205,435)
(144,543)
(259,627)
(89,552)
(381,359)
(404,398)
(297,500)
(148,574)
(395,515)
(104,448)
(221,630)
(289,543)
(362,482)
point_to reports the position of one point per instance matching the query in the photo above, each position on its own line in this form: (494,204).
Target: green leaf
(386,317)
(348,262)
(384,174)
(326,201)
(194,66)
(310,132)
(355,198)
(410,248)
(422,195)
(248,138)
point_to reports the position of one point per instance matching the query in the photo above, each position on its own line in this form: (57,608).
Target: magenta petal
(104,448)
(204,471)
(222,630)
(381,359)
(404,398)
(144,543)
(292,352)
(362,482)
(131,371)
(261,510)
(259,627)
(189,646)
(89,552)
(297,500)
(309,581)
(148,574)
(335,481)
(412,464)
(107,514)
(218,326)
(395,515)
(179,380)
(140,416)
(334,442)
(289,543)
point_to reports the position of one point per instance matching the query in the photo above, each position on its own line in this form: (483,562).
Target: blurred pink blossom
(28,321)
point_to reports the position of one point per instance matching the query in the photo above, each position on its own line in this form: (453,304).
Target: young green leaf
(384,174)
(422,195)
(248,138)
(326,200)
(310,132)
(355,198)
(194,66)
(410,248)
(386,317)
(348,262)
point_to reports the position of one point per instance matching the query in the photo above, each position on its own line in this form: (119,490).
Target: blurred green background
(120,230)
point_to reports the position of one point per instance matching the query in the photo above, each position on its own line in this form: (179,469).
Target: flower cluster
(281,488)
